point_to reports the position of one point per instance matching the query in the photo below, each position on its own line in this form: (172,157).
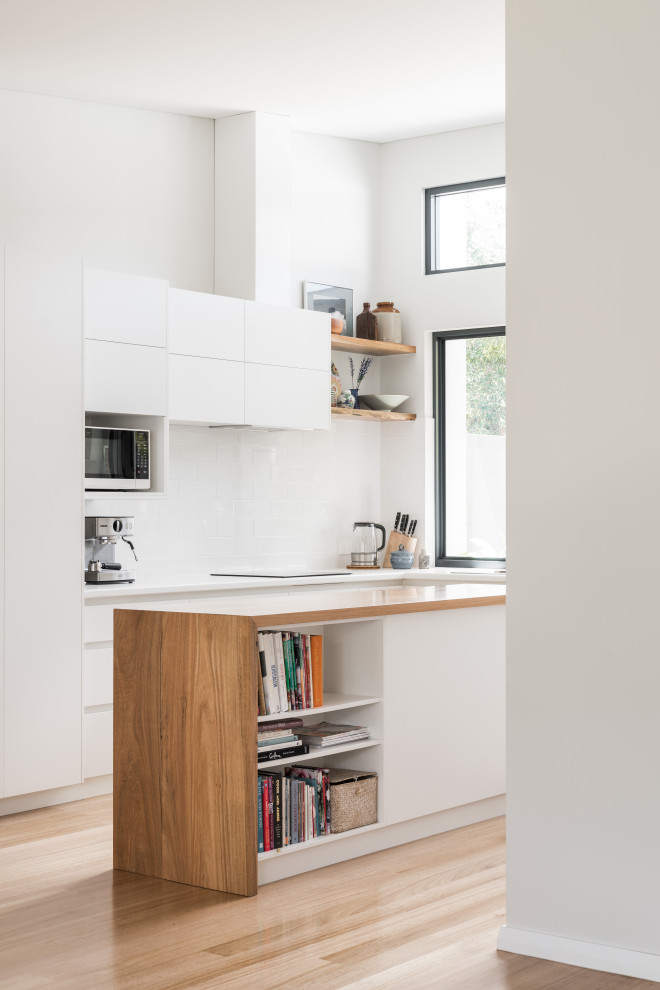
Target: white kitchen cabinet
(287,337)
(287,398)
(453,692)
(125,378)
(204,325)
(43,390)
(97,749)
(206,390)
(98,677)
(128,309)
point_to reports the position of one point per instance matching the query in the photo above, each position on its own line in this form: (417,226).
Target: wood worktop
(328,606)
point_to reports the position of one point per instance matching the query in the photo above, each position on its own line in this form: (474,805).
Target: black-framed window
(470,442)
(466,226)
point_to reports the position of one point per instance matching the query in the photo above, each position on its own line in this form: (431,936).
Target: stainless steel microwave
(116,459)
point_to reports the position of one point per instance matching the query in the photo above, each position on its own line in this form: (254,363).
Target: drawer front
(97,744)
(125,378)
(98,623)
(205,390)
(129,309)
(287,398)
(205,325)
(98,677)
(282,336)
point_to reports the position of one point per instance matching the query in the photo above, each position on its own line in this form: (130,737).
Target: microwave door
(109,459)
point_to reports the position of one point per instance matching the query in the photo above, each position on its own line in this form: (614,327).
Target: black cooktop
(282,574)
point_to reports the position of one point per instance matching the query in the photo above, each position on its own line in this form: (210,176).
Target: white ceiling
(372,69)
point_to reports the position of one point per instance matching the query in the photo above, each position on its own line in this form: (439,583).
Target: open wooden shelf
(377,348)
(333,702)
(371,414)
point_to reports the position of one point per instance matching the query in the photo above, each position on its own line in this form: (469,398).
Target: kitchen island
(423,667)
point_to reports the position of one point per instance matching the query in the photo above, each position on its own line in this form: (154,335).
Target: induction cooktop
(281,574)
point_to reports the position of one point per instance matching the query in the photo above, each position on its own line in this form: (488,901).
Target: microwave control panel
(142,455)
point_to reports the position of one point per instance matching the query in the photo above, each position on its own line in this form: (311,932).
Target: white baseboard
(575,952)
(59,795)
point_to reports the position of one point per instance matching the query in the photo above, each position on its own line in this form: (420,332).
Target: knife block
(395,541)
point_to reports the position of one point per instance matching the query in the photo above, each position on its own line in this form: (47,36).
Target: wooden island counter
(423,667)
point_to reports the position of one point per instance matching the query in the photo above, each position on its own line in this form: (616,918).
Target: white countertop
(180,584)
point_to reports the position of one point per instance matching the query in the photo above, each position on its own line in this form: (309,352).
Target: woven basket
(353,799)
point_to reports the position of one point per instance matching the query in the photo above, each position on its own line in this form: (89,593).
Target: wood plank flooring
(417,917)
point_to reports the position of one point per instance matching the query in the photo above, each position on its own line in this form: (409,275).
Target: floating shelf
(371,414)
(377,348)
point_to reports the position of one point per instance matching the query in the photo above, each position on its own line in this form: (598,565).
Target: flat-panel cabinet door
(444,698)
(129,309)
(97,744)
(203,325)
(125,378)
(43,442)
(280,335)
(287,398)
(206,391)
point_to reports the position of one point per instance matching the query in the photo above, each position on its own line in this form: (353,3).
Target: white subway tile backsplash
(240,500)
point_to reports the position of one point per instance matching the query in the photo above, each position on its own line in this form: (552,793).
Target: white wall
(127,190)
(427,302)
(335,223)
(584,484)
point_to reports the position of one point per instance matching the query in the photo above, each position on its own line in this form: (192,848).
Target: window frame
(439,414)
(430,231)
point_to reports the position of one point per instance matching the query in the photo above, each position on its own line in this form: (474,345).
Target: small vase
(354,393)
(346,401)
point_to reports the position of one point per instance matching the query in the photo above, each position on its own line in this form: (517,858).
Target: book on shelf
(293,743)
(282,753)
(296,806)
(290,671)
(331,734)
(281,723)
(279,739)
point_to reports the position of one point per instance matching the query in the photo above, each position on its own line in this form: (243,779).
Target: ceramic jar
(388,323)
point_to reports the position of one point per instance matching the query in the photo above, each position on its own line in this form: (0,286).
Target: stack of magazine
(330,734)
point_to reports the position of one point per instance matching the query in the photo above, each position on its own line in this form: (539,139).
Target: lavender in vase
(365,364)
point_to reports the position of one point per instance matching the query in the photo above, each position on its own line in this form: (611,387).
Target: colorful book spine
(281,671)
(264,799)
(317,670)
(260,815)
(271,817)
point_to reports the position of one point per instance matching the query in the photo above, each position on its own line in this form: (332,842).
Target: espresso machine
(102,534)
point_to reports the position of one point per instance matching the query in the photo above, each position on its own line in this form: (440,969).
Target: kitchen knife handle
(396,521)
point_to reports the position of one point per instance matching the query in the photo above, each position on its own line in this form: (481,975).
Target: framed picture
(326,298)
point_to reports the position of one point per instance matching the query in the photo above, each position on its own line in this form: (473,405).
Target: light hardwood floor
(425,915)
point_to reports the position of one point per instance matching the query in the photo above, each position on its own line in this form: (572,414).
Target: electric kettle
(364,552)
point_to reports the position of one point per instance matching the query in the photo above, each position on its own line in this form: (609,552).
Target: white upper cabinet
(206,391)
(128,309)
(125,378)
(204,325)
(287,398)
(291,338)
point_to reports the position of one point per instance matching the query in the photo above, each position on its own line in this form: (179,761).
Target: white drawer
(98,677)
(99,618)
(97,744)
(98,623)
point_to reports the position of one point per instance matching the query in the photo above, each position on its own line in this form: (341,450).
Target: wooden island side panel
(185,724)
(136,745)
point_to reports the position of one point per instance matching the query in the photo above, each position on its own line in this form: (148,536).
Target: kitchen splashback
(243,500)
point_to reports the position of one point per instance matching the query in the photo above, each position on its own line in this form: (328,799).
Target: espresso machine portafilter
(102,534)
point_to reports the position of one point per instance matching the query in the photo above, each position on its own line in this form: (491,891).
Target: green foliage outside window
(485,364)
